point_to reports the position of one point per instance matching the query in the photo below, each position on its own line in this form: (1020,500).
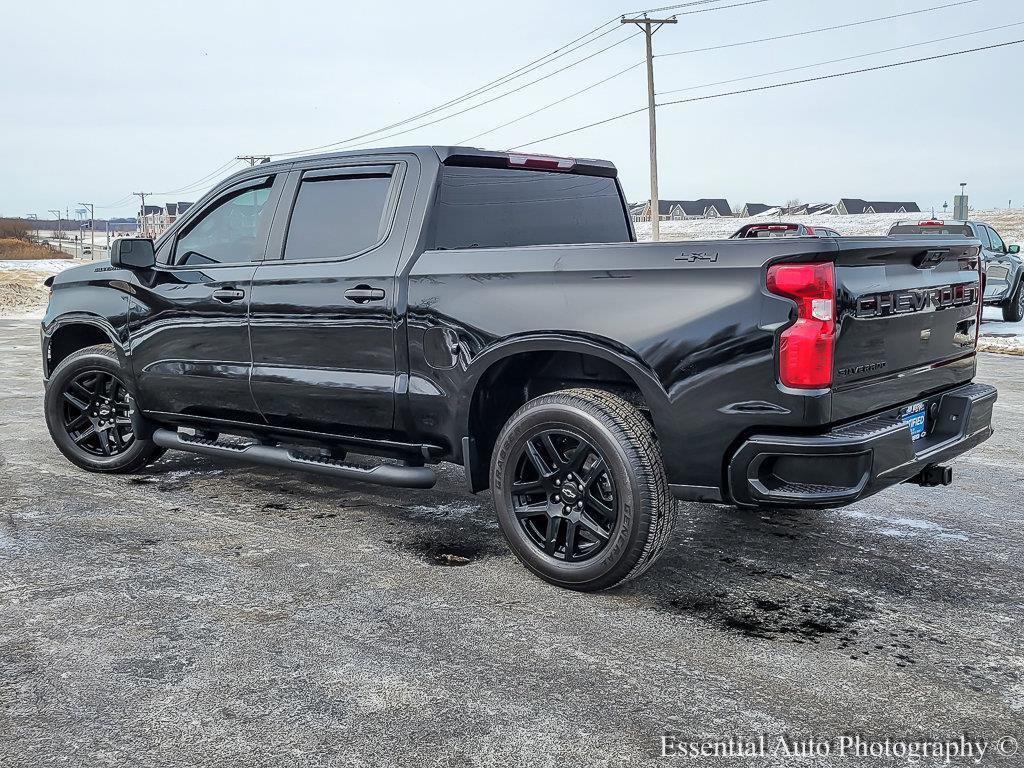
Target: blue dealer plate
(916,416)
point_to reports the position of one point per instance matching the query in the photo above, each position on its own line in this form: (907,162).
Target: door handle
(361,294)
(227,295)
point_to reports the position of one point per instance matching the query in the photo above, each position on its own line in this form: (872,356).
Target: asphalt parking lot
(206,613)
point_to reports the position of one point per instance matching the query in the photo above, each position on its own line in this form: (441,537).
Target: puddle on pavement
(447,554)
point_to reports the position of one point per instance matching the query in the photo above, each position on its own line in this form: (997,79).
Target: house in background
(853,205)
(677,210)
(756,209)
(155,218)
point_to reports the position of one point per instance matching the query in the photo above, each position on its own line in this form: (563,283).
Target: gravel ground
(205,613)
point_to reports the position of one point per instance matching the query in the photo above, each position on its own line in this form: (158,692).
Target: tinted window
(494,207)
(232,231)
(983,235)
(337,216)
(935,230)
(997,241)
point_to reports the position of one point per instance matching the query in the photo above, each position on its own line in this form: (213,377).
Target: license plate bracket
(916,417)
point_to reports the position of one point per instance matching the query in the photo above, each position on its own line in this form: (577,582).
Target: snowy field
(1007,222)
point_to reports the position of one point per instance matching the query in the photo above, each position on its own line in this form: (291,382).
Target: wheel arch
(70,333)
(524,367)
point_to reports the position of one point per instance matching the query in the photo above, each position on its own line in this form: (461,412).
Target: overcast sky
(103,99)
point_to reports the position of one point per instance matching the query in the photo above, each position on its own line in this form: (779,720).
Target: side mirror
(133,253)
(1013,249)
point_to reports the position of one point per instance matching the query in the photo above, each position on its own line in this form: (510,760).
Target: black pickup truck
(432,304)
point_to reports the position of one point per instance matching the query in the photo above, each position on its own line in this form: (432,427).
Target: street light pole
(649,27)
(57,212)
(92,228)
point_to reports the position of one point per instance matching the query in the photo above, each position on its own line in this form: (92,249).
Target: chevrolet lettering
(917,300)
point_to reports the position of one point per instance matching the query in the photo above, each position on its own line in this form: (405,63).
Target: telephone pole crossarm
(253,160)
(649,27)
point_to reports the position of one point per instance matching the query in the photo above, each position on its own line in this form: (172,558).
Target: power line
(705,10)
(845,58)
(199,182)
(542,61)
(833,76)
(631,67)
(699,2)
(493,98)
(562,100)
(548,58)
(817,30)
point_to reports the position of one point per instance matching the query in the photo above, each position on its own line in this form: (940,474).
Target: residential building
(677,210)
(852,205)
(157,218)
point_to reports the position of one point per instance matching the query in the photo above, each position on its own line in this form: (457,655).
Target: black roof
(696,207)
(856,205)
(753,209)
(442,153)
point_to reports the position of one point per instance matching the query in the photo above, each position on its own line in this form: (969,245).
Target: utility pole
(142,212)
(92,228)
(56,212)
(254,159)
(649,27)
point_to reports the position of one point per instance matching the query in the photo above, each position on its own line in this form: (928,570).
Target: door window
(997,241)
(233,231)
(986,241)
(338,215)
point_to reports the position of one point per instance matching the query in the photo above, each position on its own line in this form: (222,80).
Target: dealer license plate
(916,416)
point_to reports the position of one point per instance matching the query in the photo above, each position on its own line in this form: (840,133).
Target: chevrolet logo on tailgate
(916,300)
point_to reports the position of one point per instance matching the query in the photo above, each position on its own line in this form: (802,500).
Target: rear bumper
(860,458)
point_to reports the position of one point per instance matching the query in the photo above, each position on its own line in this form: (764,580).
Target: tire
(543,489)
(100,437)
(1013,309)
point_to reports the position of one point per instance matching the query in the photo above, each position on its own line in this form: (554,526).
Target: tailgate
(907,312)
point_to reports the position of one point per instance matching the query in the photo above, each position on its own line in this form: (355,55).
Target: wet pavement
(208,613)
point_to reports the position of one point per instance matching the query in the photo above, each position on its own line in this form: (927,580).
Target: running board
(398,475)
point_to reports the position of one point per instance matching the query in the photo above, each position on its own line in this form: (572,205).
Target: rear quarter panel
(690,322)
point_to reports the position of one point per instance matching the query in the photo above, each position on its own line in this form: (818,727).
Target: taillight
(807,348)
(931,223)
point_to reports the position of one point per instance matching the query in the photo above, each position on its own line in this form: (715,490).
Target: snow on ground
(997,336)
(1007,222)
(45,266)
(22,293)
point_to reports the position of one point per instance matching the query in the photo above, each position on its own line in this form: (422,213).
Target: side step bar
(398,475)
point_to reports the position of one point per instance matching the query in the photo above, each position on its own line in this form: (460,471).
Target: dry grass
(12,249)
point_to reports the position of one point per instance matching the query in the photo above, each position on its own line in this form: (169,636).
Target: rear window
(959,230)
(504,207)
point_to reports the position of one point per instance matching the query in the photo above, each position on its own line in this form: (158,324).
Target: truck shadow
(784,575)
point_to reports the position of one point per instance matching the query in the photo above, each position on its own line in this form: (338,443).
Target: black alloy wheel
(91,414)
(96,413)
(580,490)
(563,495)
